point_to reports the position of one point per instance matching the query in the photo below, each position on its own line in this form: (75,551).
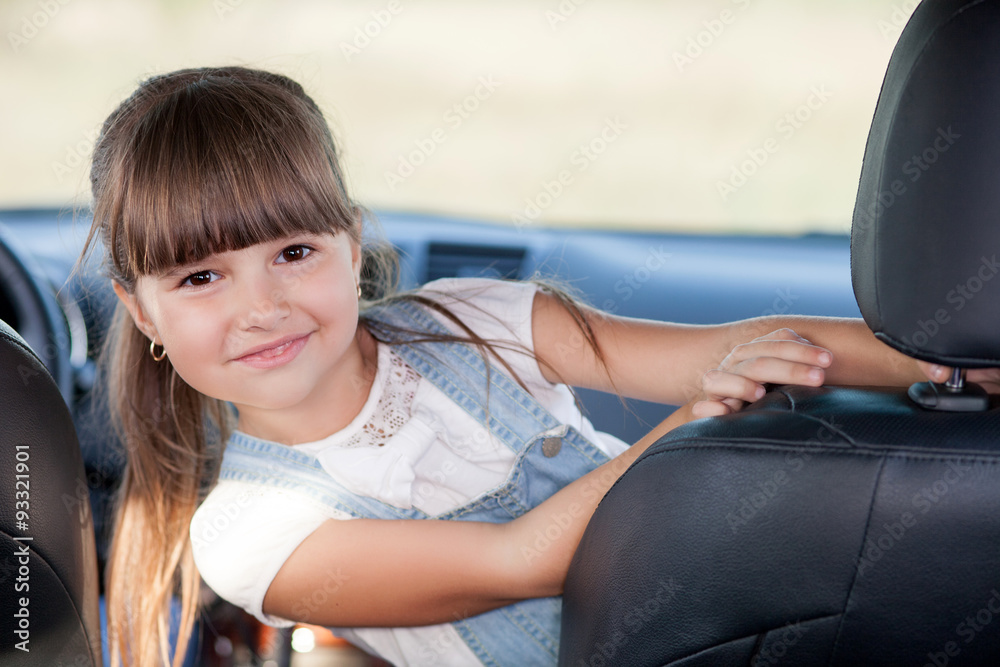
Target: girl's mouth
(275,354)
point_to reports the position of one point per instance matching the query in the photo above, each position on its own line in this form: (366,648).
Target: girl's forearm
(542,542)
(404,572)
(665,362)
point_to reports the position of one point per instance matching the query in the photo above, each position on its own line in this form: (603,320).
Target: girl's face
(270,328)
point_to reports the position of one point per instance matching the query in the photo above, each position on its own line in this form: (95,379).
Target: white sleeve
(501,310)
(243,533)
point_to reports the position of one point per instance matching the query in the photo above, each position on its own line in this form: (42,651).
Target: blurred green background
(684,92)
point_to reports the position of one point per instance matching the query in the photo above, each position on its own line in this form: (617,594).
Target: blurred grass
(559,83)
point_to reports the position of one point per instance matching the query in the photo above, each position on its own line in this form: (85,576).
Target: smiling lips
(277,353)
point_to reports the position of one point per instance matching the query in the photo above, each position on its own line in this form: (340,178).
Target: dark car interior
(839,526)
(832,526)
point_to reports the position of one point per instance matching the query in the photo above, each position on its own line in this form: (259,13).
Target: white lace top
(393,408)
(410,446)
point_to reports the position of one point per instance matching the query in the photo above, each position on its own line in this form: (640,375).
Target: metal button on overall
(551,446)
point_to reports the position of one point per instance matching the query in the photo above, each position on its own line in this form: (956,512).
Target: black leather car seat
(840,526)
(48,565)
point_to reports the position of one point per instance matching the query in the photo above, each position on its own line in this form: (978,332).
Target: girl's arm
(667,363)
(402,573)
(385,573)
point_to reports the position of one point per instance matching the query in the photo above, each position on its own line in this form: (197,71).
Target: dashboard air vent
(447,260)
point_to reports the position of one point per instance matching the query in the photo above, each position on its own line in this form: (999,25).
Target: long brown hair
(196,162)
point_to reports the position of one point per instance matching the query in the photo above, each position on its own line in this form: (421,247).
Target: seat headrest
(925,238)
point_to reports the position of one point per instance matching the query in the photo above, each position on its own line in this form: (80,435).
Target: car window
(730,115)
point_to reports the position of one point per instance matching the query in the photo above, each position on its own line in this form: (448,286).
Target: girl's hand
(988,378)
(780,357)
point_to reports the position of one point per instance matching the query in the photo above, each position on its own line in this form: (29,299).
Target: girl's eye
(200,279)
(293,253)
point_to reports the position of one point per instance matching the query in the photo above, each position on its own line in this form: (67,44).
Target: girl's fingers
(773,370)
(703,409)
(780,357)
(989,378)
(782,334)
(934,372)
(717,408)
(719,385)
(798,350)
(735,404)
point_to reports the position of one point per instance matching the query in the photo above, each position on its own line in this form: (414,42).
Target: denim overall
(549,455)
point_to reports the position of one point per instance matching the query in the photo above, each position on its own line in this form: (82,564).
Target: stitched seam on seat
(941,456)
(854,580)
(758,645)
(726,442)
(791,400)
(20,343)
(738,639)
(991,459)
(830,425)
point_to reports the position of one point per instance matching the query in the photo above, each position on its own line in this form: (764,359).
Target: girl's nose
(264,304)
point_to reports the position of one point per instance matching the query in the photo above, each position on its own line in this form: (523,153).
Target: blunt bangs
(221,164)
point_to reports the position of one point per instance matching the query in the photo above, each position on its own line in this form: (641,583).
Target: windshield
(733,115)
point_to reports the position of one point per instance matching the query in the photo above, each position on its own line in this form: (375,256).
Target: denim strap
(512,414)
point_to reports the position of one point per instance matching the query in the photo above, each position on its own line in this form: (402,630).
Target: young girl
(412,467)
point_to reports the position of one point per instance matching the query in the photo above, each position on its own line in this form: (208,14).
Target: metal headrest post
(954,395)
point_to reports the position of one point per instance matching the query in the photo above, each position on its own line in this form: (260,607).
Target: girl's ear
(135,309)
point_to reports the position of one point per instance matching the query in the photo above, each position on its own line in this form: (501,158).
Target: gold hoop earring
(152,351)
